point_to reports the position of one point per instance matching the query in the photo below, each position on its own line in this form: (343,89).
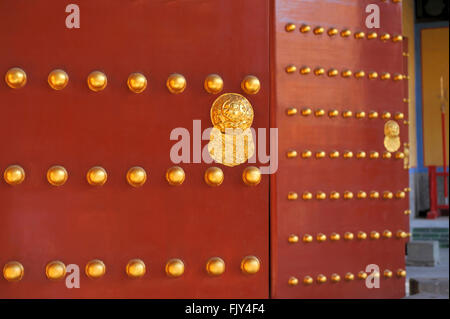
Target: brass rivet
(335,278)
(293,281)
(97,176)
(97,81)
(14,175)
(293,239)
(214,176)
(13,271)
(349,276)
(321,279)
(136,176)
(307,196)
(349,236)
(213,84)
(215,266)
(95,269)
(251,84)
(175,267)
(321,237)
(135,268)
(362,235)
(290,27)
(175,176)
(58,79)
(55,270)
(57,175)
(137,82)
(251,176)
(16,78)
(176,83)
(250,265)
(307,239)
(292,196)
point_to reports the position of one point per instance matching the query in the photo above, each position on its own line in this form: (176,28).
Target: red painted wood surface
(325,134)
(118,129)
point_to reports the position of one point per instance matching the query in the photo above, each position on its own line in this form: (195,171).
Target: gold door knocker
(231,140)
(392,136)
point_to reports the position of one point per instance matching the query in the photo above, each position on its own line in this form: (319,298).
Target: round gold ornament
(58,79)
(231,150)
(231,111)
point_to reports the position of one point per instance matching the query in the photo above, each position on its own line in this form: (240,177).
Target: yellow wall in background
(435,56)
(408,32)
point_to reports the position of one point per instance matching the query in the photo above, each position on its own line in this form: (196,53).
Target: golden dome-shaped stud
(13,271)
(360,35)
(290,27)
(387,155)
(319,113)
(307,196)
(387,273)
(251,176)
(361,195)
(333,113)
(306,154)
(213,84)
(374,195)
(135,268)
(306,112)
(14,175)
(16,78)
(372,35)
(137,82)
(349,236)
(305,70)
(375,235)
(407,212)
(292,196)
(398,77)
(175,176)
(362,235)
(250,84)
(307,239)
(291,154)
(334,154)
(386,115)
(176,83)
(175,268)
(346,33)
(361,155)
(348,195)
(397,38)
(335,195)
(401,234)
(308,280)
(360,74)
(401,273)
(293,281)
(400,195)
(332,32)
(293,239)
(387,234)
(320,154)
(346,73)
(55,270)
(360,115)
(373,75)
(333,72)
(347,114)
(214,176)
(385,37)
(57,175)
(399,155)
(362,275)
(335,278)
(335,237)
(291,69)
(97,176)
(318,30)
(305,28)
(136,176)
(95,269)
(215,266)
(388,195)
(321,279)
(321,196)
(349,276)
(374,155)
(373,115)
(321,237)
(97,81)
(250,265)
(385,76)
(58,79)
(348,154)
(292,111)
(319,71)
(399,116)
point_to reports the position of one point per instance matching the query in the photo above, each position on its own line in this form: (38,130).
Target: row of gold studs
(58,79)
(346,154)
(345,33)
(348,195)
(136,268)
(360,74)
(348,236)
(347,114)
(136,176)
(335,278)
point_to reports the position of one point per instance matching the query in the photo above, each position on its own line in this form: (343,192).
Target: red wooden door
(322,195)
(117,129)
